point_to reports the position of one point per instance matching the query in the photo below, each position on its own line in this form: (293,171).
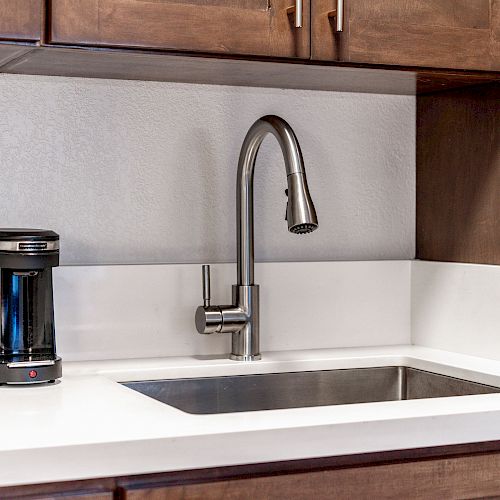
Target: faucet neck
(244,185)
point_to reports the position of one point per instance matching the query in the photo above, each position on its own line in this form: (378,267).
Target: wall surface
(144,172)
(456,307)
(116,312)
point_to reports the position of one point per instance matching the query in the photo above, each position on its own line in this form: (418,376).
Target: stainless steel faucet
(242,317)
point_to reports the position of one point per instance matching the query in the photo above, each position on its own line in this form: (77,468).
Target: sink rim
(398,384)
(242,375)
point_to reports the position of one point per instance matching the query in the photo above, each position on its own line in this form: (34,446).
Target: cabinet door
(459,34)
(20,20)
(254,27)
(463,477)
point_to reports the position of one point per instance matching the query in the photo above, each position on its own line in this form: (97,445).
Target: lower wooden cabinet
(466,477)
(461,34)
(450,472)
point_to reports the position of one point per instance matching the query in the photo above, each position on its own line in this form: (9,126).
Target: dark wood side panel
(256,27)
(458,175)
(468,477)
(20,20)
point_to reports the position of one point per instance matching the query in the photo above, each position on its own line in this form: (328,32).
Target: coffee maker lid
(27,242)
(18,234)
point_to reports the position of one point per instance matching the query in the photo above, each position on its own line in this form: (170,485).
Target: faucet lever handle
(205,269)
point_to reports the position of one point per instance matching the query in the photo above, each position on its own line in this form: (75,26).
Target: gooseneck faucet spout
(242,317)
(301,215)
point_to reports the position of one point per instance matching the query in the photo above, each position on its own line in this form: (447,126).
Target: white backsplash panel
(456,307)
(132,172)
(141,311)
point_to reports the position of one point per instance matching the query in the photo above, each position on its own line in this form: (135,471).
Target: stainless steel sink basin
(302,389)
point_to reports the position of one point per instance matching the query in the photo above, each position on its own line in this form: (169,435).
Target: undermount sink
(228,394)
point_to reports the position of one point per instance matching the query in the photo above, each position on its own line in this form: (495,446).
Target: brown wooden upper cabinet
(20,20)
(459,34)
(248,27)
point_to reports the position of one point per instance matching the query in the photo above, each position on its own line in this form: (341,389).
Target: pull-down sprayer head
(300,212)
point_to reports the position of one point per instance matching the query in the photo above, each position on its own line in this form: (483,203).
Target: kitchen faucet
(242,317)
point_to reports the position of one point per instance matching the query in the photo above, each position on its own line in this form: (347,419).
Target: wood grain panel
(459,34)
(418,45)
(119,486)
(444,13)
(432,33)
(20,19)
(79,495)
(458,175)
(495,30)
(326,43)
(261,27)
(467,477)
(64,492)
(89,489)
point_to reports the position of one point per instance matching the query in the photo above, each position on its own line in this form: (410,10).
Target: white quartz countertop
(88,425)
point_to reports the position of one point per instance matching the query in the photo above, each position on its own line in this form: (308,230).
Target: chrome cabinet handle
(338,14)
(296,10)
(298,13)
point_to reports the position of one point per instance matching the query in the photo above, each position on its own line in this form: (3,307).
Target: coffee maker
(27,337)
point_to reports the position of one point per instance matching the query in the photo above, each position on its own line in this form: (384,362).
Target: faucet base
(245,341)
(249,357)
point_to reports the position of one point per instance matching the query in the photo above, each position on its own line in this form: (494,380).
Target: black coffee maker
(27,337)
